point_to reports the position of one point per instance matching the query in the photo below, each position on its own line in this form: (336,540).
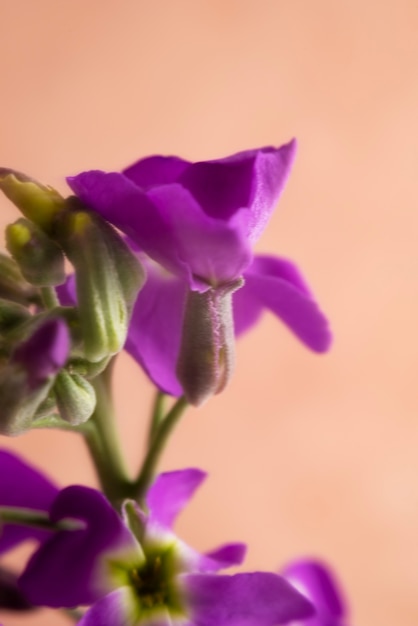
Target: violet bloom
(200,221)
(147,576)
(318,583)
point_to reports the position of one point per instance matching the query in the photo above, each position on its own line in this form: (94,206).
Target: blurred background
(307,455)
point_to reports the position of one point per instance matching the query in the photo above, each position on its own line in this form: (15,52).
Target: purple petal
(170,226)
(228,555)
(252,179)
(115,609)
(316,581)
(155,328)
(170,493)
(256,599)
(276,284)
(22,486)
(126,206)
(65,571)
(45,352)
(213,250)
(156,170)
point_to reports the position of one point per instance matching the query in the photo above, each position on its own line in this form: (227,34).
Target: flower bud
(108,278)
(12,315)
(38,203)
(12,284)
(26,379)
(206,357)
(75,397)
(40,259)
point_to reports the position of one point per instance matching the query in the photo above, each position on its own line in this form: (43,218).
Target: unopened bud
(13,286)
(207,350)
(40,259)
(12,315)
(26,379)
(39,203)
(75,397)
(108,278)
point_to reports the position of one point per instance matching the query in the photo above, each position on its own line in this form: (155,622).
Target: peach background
(307,454)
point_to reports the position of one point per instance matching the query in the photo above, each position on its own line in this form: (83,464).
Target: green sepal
(75,397)
(78,365)
(19,403)
(207,349)
(39,203)
(40,259)
(12,315)
(108,279)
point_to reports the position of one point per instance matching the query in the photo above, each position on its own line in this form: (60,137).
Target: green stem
(49,297)
(31,517)
(103,442)
(157,416)
(159,441)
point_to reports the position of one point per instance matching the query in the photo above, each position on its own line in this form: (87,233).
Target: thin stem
(49,297)
(157,416)
(31,517)
(103,443)
(152,457)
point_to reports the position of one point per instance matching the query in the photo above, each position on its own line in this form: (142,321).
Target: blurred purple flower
(318,583)
(158,580)
(199,222)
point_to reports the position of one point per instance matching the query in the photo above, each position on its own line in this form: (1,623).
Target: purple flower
(316,581)
(148,576)
(199,222)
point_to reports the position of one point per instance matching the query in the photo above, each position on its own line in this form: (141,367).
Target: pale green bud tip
(76,399)
(37,202)
(40,259)
(207,351)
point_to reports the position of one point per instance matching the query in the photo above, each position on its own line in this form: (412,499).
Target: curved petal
(221,187)
(228,555)
(156,170)
(271,171)
(277,284)
(66,570)
(252,179)
(22,486)
(126,206)
(169,225)
(155,329)
(213,250)
(115,609)
(316,581)
(256,599)
(170,493)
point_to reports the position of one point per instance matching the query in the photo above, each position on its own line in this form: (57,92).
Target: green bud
(75,397)
(38,203)
(207,350)
(13,286)
(40,259)
(108,278)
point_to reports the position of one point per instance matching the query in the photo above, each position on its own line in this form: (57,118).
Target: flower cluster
(174,289)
